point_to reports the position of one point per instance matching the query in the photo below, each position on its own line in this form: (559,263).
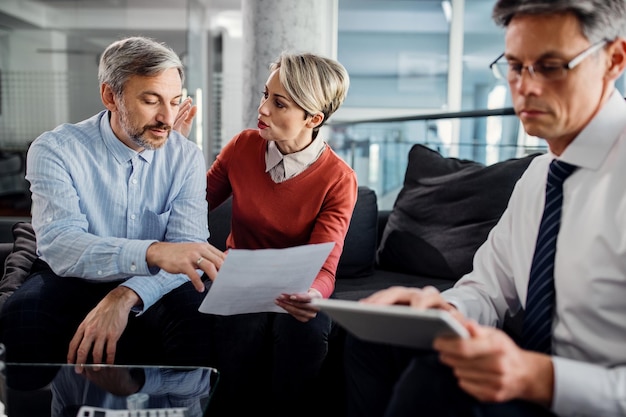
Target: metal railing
(377,149)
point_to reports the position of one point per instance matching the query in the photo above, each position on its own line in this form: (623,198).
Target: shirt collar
(272,156)
(120,151)
(293,163)
(593,144)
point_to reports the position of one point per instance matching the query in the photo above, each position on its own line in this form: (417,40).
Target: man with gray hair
(557,255)
(120,215)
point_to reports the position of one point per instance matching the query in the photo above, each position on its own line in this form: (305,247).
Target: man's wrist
(126,297)
(540,379)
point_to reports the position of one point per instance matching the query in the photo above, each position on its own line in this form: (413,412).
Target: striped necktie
(537,327)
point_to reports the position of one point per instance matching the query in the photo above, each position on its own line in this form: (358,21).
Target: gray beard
(135,136)
(141,142)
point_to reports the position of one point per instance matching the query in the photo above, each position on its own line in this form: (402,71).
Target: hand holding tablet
(392,324)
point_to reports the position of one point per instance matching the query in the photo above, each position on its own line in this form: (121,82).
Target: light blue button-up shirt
(98,205)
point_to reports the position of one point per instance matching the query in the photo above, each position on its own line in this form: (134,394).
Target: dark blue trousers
(40,318)
(268,363)
(390,381)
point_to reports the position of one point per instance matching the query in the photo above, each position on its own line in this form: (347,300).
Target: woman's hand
(299,305)
(184,119)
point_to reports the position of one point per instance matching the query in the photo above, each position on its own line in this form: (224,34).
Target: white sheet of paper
(250,280)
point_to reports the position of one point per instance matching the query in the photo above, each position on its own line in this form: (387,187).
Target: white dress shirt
(589,328)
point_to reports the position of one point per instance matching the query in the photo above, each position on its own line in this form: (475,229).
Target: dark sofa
(442,214)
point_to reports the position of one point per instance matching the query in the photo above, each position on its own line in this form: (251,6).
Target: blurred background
(419,74)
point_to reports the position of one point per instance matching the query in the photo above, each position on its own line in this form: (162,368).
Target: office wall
(232,76)
(35,86)
(83,89)
(395,70)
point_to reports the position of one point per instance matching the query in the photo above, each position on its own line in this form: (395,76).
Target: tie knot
(559,171)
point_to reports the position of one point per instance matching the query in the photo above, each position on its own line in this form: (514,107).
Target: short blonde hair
(315,83)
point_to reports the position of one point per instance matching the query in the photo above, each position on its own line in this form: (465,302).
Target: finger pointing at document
(186,258)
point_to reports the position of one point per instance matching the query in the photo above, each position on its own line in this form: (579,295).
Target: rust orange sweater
(312,207)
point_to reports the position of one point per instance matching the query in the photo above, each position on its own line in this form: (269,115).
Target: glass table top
(34,390)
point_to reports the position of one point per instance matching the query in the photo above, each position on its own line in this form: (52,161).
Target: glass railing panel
(378,150)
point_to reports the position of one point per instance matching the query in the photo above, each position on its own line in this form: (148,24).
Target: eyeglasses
(549,69)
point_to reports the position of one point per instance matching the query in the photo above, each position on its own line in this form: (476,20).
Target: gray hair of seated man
(599,19)
(135,56)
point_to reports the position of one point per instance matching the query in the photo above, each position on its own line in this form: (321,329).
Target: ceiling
(141,4)
(408,16)
(96,23)
(377,38)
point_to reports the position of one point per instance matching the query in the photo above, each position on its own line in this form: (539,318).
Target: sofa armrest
(383,216)
(5,250)
(219,224)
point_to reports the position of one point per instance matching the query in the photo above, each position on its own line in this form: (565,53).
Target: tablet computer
(392,324)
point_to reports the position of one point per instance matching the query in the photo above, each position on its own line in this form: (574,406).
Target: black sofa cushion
(444,212)
(359,250)
(219,224)
(357,288)
(18,264)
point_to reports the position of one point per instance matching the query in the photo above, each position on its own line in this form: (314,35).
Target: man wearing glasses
(557,256)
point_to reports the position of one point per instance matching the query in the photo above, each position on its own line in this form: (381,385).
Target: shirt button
(132,216)
(134,180)
(99,272)
(133,267)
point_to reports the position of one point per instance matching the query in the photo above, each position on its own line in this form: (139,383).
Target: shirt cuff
(150,289)
(132,260)
(582,389)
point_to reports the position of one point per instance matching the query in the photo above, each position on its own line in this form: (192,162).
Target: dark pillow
(219,224)
(359,250)
(444,212)
(18,263)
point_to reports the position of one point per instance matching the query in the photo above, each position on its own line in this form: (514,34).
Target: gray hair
(135,56)
(315,83)
(599,19)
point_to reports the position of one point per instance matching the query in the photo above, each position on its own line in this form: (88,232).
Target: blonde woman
(289,188)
